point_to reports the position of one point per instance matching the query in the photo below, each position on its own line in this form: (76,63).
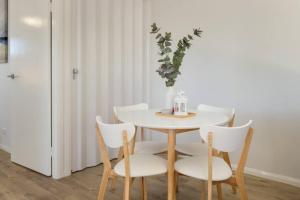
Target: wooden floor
(18,183)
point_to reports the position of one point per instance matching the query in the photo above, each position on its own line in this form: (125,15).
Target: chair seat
(149,147)
(197,167)
(142,165)
(193,149)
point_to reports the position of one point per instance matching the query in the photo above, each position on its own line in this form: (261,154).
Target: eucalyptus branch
(170,67)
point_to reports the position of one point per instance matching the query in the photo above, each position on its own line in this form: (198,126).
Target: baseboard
(5,148)
(272,176)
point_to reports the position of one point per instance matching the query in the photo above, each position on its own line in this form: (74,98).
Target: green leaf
(170,83)
(154,28)
(172,75)
(197,32)
(161,45)
(168,44)
(168,36)
(167,58)
(168,50)
(179,45)
(161,40)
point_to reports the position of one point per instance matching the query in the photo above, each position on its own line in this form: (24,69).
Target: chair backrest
(141,106)
(230,112)
(226,139)
(113,133)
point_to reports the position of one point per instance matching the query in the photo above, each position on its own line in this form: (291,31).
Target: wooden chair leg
(176,181)
(128,179)
(144,188)
(210,166)
(241,184)
(203,191)
(209,191)
(113,183)
(103,185)
(227,160)
(176,175)
(120,155)
(114,178)
(219,189)
(127,189)
(233,189)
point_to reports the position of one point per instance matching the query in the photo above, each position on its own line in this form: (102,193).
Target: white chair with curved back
(133,165)
(198,148)
(143,146)
(212,168)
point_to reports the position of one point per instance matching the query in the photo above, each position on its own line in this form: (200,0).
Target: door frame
(61,88)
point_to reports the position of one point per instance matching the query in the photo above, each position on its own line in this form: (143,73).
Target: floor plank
(18,183)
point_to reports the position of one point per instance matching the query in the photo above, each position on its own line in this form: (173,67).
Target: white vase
(170,95)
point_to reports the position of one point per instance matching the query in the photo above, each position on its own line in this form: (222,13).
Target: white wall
(4,107)
(248,58)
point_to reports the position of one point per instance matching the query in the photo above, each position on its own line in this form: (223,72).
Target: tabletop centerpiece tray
(168,115)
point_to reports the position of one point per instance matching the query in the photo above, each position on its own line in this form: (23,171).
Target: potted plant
(170,62)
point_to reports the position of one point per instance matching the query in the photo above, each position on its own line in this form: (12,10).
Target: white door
(30,92)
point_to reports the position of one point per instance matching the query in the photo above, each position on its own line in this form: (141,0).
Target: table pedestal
(171,162)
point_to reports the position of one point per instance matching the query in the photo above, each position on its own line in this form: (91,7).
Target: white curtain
(109,39)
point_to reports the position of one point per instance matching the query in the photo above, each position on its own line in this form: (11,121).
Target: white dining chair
(212,167)
(143,146)
(133,165)
(198,147)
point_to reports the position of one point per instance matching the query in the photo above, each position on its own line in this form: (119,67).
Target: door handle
(12,76)
(75,72)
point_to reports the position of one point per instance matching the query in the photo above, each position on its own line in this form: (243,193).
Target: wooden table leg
(171,161)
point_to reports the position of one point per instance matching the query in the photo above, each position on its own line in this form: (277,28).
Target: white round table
(171,126)
(148,119)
